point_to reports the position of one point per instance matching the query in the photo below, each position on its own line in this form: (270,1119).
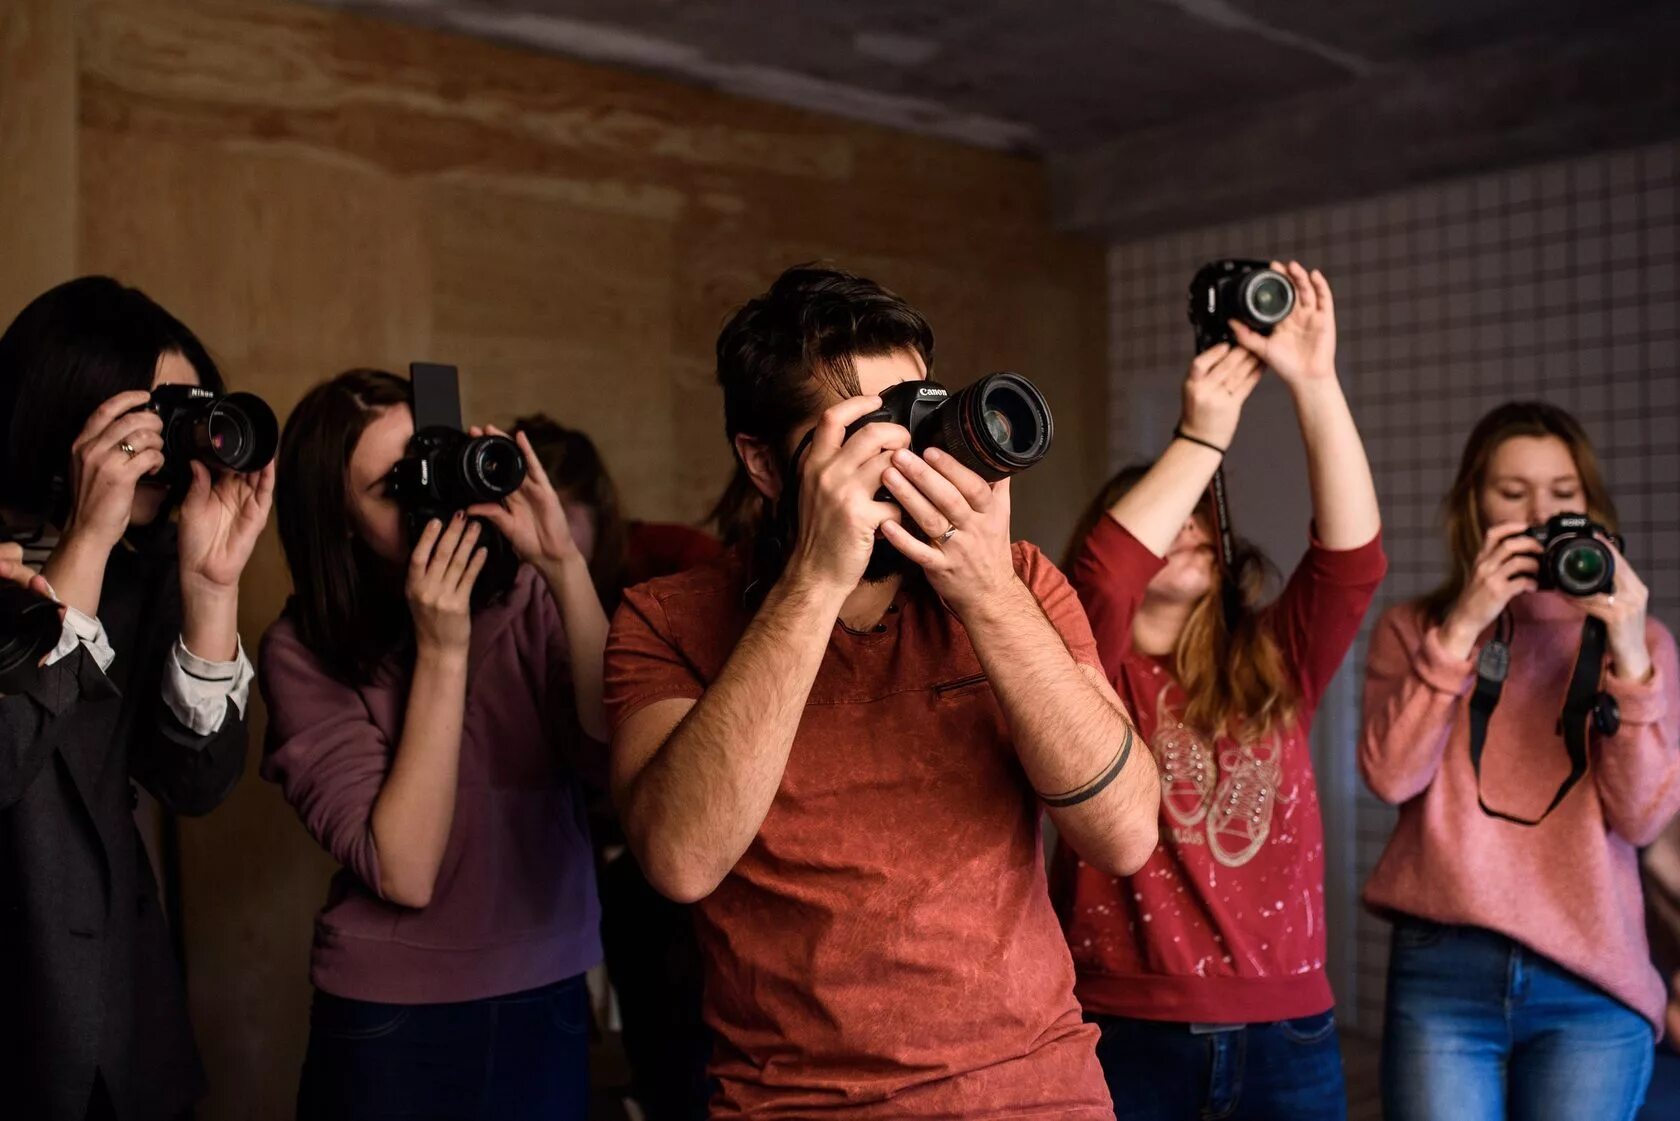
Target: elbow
(1388,786)
(411,891)
(674,869)
(679,879)
(1135,848)
(1123,851)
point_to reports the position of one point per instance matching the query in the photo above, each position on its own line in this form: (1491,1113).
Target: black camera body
(1576,560)
(1251,292)
(444,470)
(995,427)
(233,431)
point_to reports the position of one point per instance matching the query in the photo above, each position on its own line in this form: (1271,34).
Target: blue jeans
(507,1058)
(1481,1029)
(1662,1100)
(1290,1070)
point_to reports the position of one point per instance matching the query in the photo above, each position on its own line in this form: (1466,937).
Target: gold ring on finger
(129,449)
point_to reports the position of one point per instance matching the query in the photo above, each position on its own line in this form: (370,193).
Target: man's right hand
(838,481)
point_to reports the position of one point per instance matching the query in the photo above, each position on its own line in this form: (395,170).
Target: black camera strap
(1585,708)
(1230,595)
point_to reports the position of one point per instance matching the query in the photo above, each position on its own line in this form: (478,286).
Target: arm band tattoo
(1097,785)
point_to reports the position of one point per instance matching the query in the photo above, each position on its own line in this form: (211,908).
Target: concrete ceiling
(1035,75)
(1075,80)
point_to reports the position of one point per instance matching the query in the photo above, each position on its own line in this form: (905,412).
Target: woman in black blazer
(147,686)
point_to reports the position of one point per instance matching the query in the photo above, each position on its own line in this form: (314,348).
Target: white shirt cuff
(197,691)
(83,630)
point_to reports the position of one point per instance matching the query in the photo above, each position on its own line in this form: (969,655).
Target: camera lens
(1010,418)
(492,468)
(1582,567)
(1268,297)
(227,434)
(999,428)
(995,427)
(238,432)
(29,629)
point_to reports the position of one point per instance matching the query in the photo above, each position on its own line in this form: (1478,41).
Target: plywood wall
(311,191)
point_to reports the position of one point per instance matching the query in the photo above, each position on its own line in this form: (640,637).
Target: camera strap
(1230,596)
(1585,708)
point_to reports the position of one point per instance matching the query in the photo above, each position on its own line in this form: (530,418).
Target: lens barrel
(995,427)
(480,469)
(29,629)
(235,431)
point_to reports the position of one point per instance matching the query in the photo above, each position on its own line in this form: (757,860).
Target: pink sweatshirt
(1567,888)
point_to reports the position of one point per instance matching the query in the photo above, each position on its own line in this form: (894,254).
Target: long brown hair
(1462,508)
(1233,674)
(575,467)
(348,611)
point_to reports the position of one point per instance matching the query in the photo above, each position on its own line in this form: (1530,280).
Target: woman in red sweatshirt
(433,748)
(1205,970)
(1520,981)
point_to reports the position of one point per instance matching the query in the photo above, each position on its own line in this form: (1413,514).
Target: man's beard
(885,562)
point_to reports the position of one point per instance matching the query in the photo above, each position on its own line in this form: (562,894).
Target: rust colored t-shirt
(886,946)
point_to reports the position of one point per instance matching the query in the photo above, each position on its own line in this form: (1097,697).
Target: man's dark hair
(575,468)
(348,609)
(778,353)
(72,349)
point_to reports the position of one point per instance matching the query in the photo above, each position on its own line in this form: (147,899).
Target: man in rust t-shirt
(837,740)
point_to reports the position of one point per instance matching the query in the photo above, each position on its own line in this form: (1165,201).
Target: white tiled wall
(1557,281)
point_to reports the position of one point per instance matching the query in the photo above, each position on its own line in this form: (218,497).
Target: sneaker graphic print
(1233,797)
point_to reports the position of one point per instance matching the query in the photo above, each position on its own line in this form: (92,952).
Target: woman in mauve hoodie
(431,740)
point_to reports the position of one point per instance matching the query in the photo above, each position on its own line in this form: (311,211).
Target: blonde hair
(1461,508)
(1233,673)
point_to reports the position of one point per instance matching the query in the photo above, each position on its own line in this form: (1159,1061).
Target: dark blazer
(88,980)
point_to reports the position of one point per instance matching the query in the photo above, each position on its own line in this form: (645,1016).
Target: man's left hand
(966,521)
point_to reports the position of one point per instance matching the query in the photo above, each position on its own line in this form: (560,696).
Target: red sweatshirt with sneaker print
(1225,923)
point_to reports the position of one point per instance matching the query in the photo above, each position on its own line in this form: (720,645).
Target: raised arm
(1220,381)
(1302,351)
(694,776)
(534,522)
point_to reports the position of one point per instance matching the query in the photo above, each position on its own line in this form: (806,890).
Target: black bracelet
(1180,434)
(1095,786)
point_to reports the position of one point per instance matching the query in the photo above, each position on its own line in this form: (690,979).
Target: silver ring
(129,448)
(946,536)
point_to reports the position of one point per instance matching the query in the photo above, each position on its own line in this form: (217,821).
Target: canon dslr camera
(995,427)
(444,470)
(233,431)
(1251,292)
(1576,560)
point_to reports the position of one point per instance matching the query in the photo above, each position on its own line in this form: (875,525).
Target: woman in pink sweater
(1520,984)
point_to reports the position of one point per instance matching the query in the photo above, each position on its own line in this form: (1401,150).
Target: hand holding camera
(1220,381)
(1622,610)
(965,523)
(839,479)
(221,519)
(1507,566)
(532,517)
(441,573)
(121,443)
(1301,347)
